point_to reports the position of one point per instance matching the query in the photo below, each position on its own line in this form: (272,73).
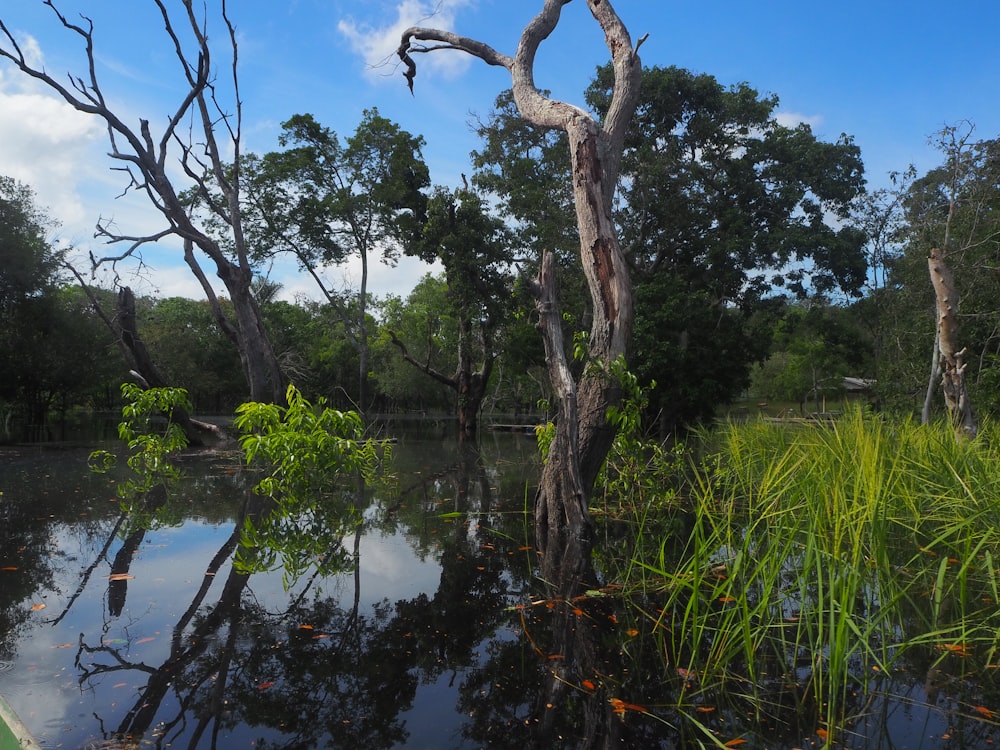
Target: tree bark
(952,359)
(583,434)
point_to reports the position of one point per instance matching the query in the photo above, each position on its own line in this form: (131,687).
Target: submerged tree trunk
(468,383)
(952,359)
(583,434)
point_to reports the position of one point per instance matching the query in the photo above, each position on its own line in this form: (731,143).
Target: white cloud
(377,44)
(48,145)
(793,119)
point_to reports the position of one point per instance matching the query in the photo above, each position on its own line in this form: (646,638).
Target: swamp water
(115,633)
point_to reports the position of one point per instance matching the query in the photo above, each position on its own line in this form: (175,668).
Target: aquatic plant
(795,570)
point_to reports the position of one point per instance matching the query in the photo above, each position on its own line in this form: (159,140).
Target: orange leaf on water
(145,640)
(9,567)
(736,743)
(617,706)
(120,684)
(631,632)
(983,711)
(726,599)
(305,627)
(120,577)
(822,733)
(589,685)
(266,685)
(36,607)
(704,709)
(614,618)
(577,611)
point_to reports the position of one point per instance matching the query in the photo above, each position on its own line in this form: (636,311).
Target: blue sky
(888,73)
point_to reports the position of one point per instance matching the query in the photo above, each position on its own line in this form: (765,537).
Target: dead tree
(125,330)
(584,435)
(204,138)
(951,359)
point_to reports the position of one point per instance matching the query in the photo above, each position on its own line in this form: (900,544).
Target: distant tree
(327,202)
(815,347)
(475,249)
(425,320)
(194,353)
(29,278)
(199,140)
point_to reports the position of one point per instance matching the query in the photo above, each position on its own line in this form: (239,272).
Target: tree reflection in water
(476,641)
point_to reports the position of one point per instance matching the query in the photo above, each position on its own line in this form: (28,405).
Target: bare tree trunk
(148,163)
(956,394)
(583,434)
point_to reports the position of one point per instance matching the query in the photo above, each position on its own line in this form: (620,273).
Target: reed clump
(797,573)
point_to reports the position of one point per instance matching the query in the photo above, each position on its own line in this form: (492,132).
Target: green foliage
(307,456)
(150,444)
(640,472)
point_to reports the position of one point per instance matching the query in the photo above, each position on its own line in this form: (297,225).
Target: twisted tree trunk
(583,434)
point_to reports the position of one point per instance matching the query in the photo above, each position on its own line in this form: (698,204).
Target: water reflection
(446,631)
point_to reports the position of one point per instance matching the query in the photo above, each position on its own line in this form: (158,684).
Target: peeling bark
(952,359)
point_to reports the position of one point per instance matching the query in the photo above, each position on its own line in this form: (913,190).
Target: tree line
(761,266)
(755,254)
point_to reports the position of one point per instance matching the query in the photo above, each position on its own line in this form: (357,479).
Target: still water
(119,631)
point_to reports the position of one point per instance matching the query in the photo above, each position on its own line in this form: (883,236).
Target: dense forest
(763,270)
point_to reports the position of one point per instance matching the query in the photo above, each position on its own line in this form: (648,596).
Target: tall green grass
(797,568)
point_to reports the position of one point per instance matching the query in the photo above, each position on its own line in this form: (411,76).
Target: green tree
(475,249)
(52,351)
(327,202)
(722,209)
(425,321)
(193,353)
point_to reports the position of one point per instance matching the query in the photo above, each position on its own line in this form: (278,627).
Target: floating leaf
(704,709)
(9,567)
(120,684)
(983,711)
(726,599)
(36,607)
(120,577)
(822,733)
(525,548)
(145,640)
(266,685)
(631,632)
(305,627)
(589,685)
(64,645)
(736,743)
